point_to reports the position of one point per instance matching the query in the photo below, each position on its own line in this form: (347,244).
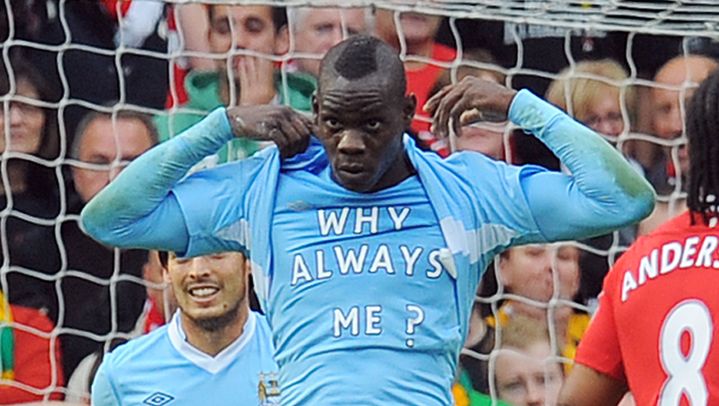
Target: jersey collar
(205,361)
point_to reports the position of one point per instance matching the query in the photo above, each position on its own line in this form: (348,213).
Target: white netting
(531,42)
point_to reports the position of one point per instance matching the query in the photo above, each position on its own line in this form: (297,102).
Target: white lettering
(382,260)
(351,259)
(350,321)
(300,271)
(410,258)
(648,267)
(628,285)
(671,255)
(373,319)
(690,248)
(321,272)
(436,264)
(398,218)
(704,259)
(372,219)
(337,224)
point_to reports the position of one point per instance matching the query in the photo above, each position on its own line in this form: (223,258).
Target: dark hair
(39,178)
(279,16)
(360,56)
(164,258)
(702,124)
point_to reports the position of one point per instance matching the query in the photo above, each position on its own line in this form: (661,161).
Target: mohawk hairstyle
(358,59)
(702,125)
(362,56)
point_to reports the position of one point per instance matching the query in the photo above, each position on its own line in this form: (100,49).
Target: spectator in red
(27,359)
(424,59)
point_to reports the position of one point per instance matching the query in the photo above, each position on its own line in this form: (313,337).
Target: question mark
(413,322)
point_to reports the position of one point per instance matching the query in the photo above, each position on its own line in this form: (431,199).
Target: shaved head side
(364,57)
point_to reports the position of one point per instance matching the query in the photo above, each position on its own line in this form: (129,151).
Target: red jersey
(34,353)
(421,81)
(658,316)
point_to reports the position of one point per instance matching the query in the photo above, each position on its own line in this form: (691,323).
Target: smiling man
(214,346)
(366,251)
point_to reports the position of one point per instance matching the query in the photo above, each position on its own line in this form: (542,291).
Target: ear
(505,275)
(410,104)
(315,106)
(166,275)
(282,41)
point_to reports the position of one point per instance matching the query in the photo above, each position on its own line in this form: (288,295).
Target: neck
(212,342)
(399,171)
(16,175)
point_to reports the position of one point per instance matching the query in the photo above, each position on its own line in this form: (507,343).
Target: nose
(535,394)
(200,268)
(336,36)
(16,115)
(675,123)
(545,261)
(241,38)
(351,143)
(610,127)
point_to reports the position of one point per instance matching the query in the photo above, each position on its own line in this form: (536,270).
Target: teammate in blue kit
(214,351)
(367,252)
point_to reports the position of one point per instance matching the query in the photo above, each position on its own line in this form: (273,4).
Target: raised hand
(257,80)
(469,100)
(288,129)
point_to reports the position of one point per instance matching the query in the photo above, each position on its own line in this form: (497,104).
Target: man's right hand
(288,129)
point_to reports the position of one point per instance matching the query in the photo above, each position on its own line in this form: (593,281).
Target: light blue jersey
(367,270)
(368,294)
(162,368)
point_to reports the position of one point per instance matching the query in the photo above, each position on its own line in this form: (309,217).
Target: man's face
(109,148)
(319,29)
(26,122)
(416,28)
(527,271)
(209,289)
(667,112)
(528,377)
(242,27)
(361,125)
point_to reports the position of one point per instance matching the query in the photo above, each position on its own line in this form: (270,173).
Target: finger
(245,82)
(300,134)
(441,115)
(304,130)
(278,137)
(294,139)
(251,63)
(455,116)
(433,101)
(470,116)
(301,124)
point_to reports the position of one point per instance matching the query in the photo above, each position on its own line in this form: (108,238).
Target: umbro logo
(158,399)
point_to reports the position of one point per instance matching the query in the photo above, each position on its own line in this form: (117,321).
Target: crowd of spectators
(70,120)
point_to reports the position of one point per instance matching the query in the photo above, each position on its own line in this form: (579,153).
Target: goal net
(129,60)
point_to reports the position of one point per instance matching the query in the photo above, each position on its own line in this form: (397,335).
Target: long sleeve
(138,209)
(602,193)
